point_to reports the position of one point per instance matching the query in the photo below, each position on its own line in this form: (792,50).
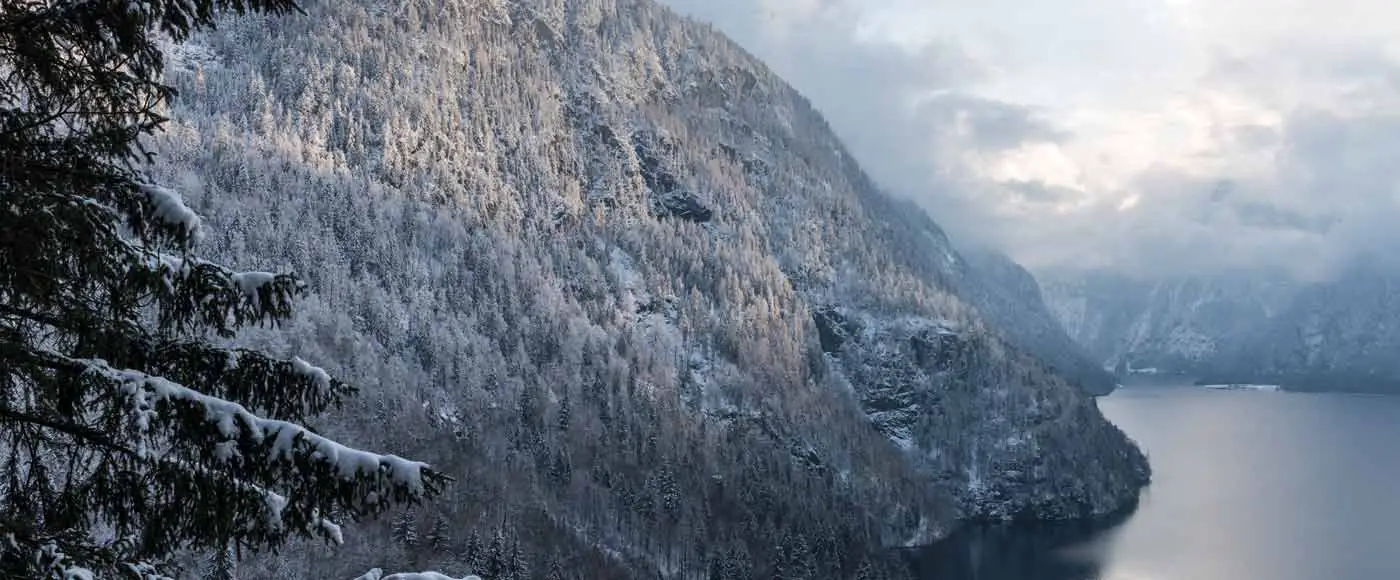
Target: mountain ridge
(587,251)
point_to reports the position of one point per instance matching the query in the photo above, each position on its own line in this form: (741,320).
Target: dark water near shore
(1247,485)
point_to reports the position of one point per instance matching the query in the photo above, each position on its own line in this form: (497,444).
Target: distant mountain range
(1339,334)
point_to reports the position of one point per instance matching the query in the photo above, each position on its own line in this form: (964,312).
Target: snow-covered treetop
(169,207)
(119,417)
(377,574)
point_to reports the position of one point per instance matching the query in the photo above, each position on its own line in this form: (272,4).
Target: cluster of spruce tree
(130,431)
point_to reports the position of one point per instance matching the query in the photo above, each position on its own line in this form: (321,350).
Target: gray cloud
(1038,192)
(1285,156)
(986,124)
(1250,136)
(901,111)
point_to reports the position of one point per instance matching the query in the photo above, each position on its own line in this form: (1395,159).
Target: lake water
(1246,486)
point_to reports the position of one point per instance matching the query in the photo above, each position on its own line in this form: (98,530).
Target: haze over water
(1246,486)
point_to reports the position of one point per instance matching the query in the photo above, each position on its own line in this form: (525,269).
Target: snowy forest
(620,283)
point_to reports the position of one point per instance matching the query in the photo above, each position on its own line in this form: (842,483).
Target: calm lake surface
(1246,486)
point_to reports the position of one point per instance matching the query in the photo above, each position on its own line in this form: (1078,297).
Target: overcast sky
(1177,136)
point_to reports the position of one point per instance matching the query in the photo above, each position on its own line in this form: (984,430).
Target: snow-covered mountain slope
(1343,334)
(1339,334)
(625,284)
(1177,325)
(1010,297)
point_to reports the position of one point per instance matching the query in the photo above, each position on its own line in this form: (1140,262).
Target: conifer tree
(404,529)
(561,470)
(494,564)
(439,535)
(562,419)
(127,429)
(736,565)
(221,565)
(517,566)
(473,554)
(556,568)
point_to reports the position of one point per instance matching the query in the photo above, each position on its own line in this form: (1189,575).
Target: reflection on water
(1246,486)
(1074,550)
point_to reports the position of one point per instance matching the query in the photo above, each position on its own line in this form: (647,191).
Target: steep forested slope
(1011,298)
(624,283)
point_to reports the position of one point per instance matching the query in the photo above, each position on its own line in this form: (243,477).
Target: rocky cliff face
(624,283)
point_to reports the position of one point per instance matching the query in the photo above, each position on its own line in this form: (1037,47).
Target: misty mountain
(1338,334)
(1010,297)
(623,283)
(1181,325)
(1341,334)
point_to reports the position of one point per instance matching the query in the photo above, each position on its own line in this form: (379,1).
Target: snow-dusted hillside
(626,285)
(1011,299)
(1171,325)
(1342,334)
